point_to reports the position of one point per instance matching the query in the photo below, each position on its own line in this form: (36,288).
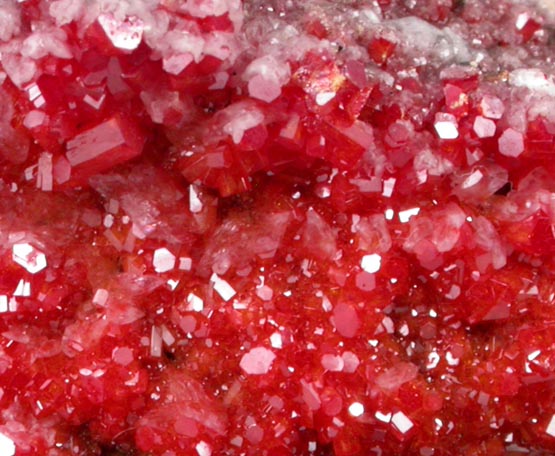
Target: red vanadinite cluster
(277,227)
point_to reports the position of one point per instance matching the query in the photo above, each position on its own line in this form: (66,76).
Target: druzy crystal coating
(277,227)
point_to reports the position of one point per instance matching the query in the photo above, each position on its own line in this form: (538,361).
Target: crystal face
(243,228)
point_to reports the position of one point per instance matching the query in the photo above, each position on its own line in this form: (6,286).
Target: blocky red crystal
(275,228)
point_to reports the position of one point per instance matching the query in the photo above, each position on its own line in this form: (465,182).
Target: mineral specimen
(277,227)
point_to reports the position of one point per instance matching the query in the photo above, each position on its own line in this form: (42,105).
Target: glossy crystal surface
(277,227)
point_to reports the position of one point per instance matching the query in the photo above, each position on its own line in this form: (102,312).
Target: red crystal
(275,228)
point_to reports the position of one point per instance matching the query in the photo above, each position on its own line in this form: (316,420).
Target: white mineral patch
(27,256)
(7,446)
(243,118)
(356,409)
(402,422)
(163,260)
(443,44)
(222,287)
(371,263)
(446,126)
(534,80)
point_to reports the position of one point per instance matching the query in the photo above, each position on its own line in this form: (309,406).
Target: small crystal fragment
(44,172)
(195,204)
(472,179)
(3,304)
(196,304)
(23,289)
(203,449)
(388,186)
(7,446)
(365,281)
(155,342)
(34,119)
(265,293)
(324,97)
(550,430)
(350,362)
(371,263)
(511,143)
(222,287)
(27,256)
(42,43)
(122,356)
(332,363)
(20,69)
(346,320)
(257,361)
(533,79)
(94,142)
(405,216)
(398,375)
(311,396)
(176,63)
(402,422)
(243,118)
(163,260)
(318,236)
(276,340)
(383,417)
(266,76)
(492,107)
(185,263)
(484,128)
(446,126)
(167,336)
(356,409)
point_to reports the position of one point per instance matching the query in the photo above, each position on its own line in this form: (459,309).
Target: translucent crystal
(66,11)
(511,143)
(332,363)
(265,77)
(104,145)
(484,128)
(241,118)
(10,20)
(286,227)
(346,320)
(257,361)
(492,107)
(401,422)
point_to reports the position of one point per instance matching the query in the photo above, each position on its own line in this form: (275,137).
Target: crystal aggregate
(277,227)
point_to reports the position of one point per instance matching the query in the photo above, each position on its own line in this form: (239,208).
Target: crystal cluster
(277,227)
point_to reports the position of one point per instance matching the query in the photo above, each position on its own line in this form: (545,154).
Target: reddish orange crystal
(276,228)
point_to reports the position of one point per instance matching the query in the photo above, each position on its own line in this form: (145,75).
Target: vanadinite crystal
(277,227)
